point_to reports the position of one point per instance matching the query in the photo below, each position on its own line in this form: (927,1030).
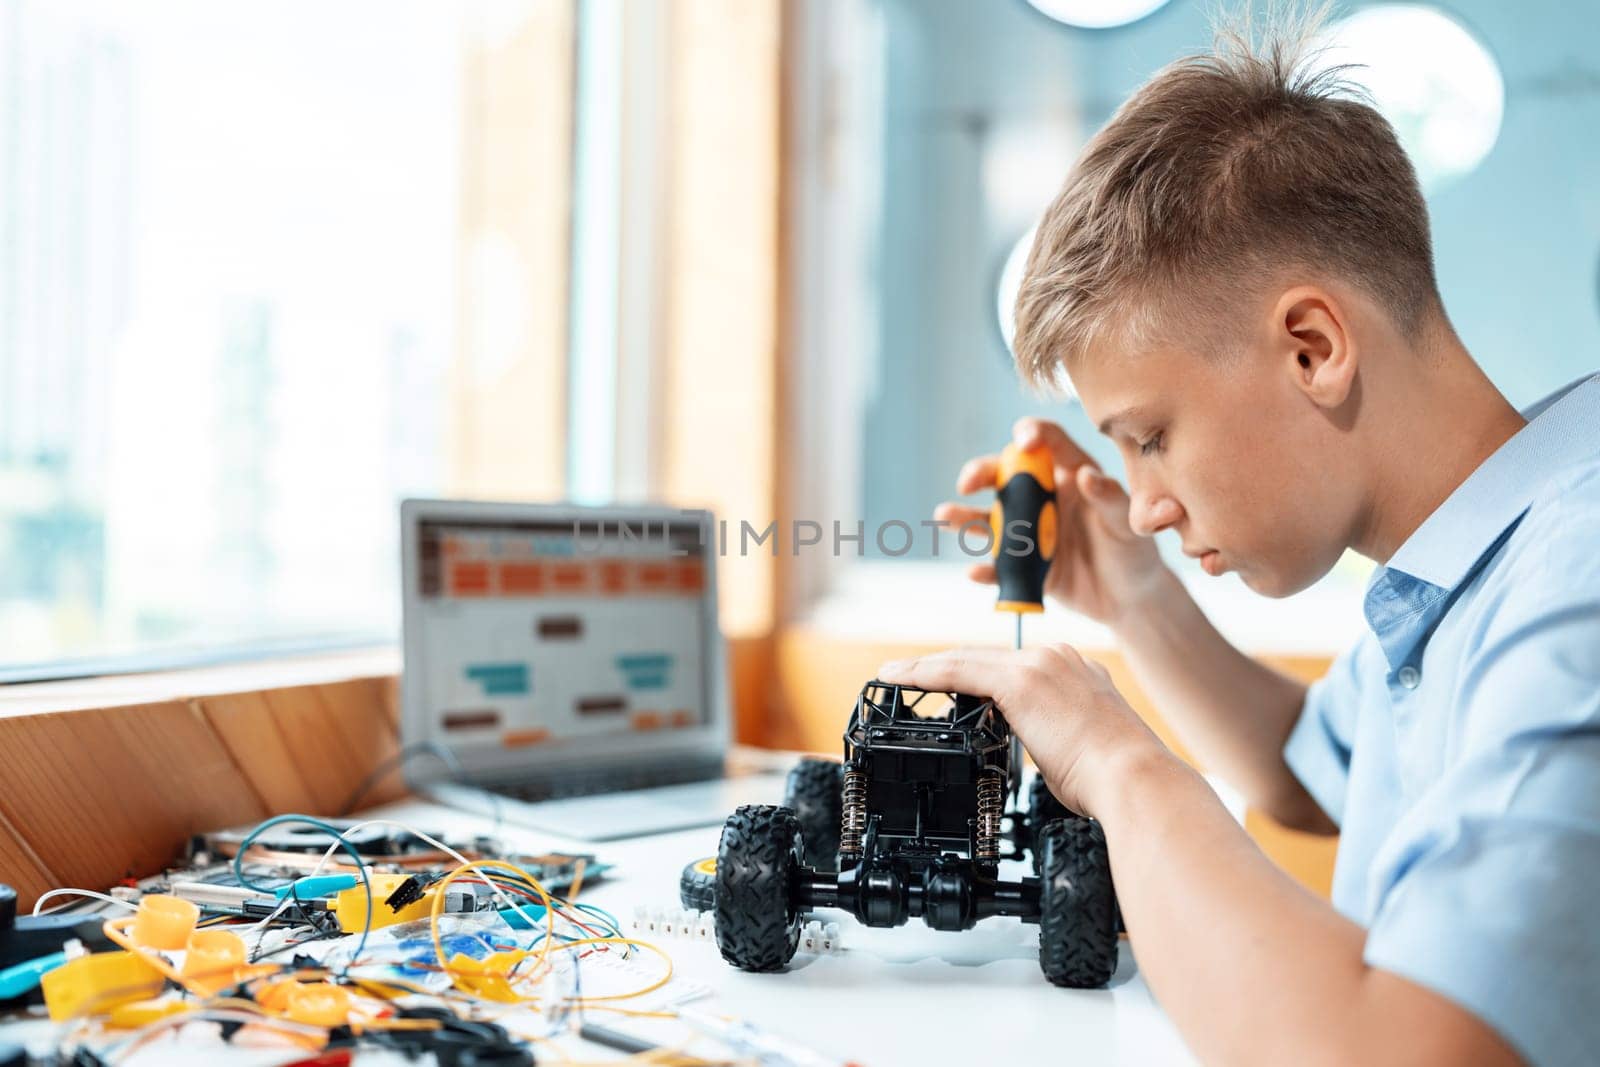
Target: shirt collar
(1444,550)
(1406,599)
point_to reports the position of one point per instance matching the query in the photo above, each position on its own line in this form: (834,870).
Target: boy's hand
(1102,568)
(1070,718)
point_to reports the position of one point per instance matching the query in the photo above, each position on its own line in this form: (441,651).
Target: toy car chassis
(913,823)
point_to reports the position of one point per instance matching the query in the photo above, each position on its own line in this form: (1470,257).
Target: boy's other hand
(1071,719)
(1102,568)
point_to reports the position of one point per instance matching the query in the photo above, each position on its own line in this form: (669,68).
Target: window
(947,128)
(265,268)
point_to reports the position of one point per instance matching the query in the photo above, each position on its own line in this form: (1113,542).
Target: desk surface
(905,996)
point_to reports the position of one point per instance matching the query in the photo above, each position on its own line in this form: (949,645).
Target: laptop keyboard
(610,781)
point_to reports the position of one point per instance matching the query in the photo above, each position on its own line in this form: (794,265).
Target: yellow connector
(350,905)
(92,984)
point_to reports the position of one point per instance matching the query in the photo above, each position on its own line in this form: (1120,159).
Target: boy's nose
(1150,514)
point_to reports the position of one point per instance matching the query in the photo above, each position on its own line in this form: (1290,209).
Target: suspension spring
(853,825)
(991,803)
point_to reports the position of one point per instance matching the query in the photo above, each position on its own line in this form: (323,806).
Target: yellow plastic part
(350,905)
(92,984)
(490,977)
(274,996)
(213,960)
(142,1013)
(164,922)
(318,1004)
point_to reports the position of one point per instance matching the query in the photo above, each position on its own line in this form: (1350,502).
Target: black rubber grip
(1020,564)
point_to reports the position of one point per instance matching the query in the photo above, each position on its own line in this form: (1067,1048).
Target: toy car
(913,823)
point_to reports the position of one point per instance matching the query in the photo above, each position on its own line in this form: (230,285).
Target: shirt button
(1409,676)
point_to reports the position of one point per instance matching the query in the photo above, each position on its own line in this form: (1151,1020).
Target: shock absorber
(853,823)
(991,803)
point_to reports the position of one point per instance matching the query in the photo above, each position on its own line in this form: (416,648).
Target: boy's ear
(1313,339)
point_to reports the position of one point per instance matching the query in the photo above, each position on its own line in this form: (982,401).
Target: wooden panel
(246,727)
(337,734)
(100,796)
(20,868)
(752,688)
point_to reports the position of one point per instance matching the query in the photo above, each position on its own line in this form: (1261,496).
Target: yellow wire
(577,878)
(481,865)
(116,931)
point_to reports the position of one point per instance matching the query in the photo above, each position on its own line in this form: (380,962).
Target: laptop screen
(543,635)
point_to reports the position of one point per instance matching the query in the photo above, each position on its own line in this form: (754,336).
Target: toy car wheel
(1043,809)
(697,885)
(758,862)
(1077,905)
(814,792)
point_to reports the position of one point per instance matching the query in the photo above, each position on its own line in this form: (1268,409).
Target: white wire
(39,904)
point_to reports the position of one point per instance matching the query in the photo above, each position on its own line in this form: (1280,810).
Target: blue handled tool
(24,977)
(322,885)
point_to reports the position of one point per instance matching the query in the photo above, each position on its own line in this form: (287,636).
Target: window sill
(116,690)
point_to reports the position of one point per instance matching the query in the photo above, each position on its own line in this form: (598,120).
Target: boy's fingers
(982,573)
(1030,432)
(1106,496)
(957,514)
(981,671)
(976,474)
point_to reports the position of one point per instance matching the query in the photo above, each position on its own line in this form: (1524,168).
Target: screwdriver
(1023,524)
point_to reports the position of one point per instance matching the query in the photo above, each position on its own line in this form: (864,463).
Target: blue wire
(602,914)
(331,831)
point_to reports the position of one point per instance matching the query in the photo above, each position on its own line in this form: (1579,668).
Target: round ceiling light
(1010,282)
(1006,302)
(1430,77)
(1097,14)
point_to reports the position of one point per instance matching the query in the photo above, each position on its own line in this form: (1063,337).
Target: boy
(1238,277)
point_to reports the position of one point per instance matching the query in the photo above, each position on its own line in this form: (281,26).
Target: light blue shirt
(1457,745)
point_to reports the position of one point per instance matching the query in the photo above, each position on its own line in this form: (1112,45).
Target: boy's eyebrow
(1121,416)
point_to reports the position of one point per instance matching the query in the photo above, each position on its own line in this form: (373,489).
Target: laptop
(569,659)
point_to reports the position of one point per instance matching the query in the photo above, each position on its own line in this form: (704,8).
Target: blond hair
(1223,171)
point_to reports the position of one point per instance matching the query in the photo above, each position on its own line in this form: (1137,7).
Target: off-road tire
(814,792)
(1043,809)
(697,885)
(758,860)
(1077,905)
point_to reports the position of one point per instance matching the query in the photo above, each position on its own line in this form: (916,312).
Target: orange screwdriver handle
(1023,527)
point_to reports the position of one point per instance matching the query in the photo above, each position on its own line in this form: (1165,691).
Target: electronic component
(817,938)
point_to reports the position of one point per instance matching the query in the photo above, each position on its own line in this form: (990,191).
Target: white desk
(905,996)
(910,995)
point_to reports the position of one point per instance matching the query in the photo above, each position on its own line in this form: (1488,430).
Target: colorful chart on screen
(544,633)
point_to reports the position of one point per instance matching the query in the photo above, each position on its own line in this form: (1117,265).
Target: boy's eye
(1150,444)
